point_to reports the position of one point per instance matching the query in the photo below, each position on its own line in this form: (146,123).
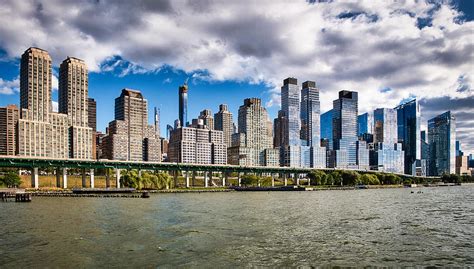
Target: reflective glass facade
(326,127)
(408,120)
(345,111)
(442,144)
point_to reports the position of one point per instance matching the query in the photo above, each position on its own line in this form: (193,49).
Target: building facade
(442,144)
(183,104)
(74,102)
(253,145)
(207,119)
(408,120)
(345,110)
(9,116)
(223,121)
(129,136)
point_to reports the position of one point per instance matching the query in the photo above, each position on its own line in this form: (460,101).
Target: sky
(389,52)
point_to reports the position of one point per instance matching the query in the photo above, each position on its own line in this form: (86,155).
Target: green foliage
(391,179)
(130,179)
(337,178)
(147,180)
(317,177)
(11,180)
(265,181)
(329,179)
(249,180)
(369,179)
(350,177)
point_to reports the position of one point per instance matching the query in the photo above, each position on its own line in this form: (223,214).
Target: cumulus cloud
(419,49)
(9,86)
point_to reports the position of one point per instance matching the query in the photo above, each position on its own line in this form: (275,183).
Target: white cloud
(9,86)
(261,42)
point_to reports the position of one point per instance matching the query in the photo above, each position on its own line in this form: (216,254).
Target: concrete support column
(117,178)
(240,179)
(187,179)
(175,179)
(64,178)
(194,179)
(297,180)
(210,177)
(273,180)
(58,177)
(84,182)
(309,181)
(92,178)
(224,179)
(107,178)
(285,176)
(206,180)
(34,178)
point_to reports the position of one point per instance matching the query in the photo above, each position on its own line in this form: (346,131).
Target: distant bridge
(63,164)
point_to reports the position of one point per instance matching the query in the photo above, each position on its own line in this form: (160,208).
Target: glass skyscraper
(365,124)
(290,150)
(345,110)
(326,127)
(389,156)
(442,144)
(183,105)
(408,120)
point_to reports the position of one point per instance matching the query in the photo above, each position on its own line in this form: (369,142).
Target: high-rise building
(279,130)
(197,145)
(253,144)
(345,110)
(388,154)
(183,104)
(206,117)
(156,123)
(365,124)
(41,132)
(74,102)
(310,124)
(462,167)
(129,136)
(290,151)
(442,143)
(326,129)
(458,149)
(9,116)
(223,121)
(408,120)
(92,114)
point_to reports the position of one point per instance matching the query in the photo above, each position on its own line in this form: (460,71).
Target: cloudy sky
(387,51)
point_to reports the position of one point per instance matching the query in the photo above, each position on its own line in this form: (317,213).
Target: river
(378,227)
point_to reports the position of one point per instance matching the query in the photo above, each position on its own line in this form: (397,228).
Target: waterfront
(391,227)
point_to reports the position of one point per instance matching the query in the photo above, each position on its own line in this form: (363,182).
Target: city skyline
(120,69)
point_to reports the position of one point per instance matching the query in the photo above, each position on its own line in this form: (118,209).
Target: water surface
(391,227)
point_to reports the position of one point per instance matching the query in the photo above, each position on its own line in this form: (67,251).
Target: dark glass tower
(183,104)
(344,120)
(442,144)
(408,120)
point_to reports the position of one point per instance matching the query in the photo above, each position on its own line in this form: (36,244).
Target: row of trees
(10,179)
(147,180)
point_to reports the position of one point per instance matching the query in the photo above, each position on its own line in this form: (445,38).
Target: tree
(316,177)
(369,179)
(11,180)
(130,179)
(247,180)
(329,179)
(350,177)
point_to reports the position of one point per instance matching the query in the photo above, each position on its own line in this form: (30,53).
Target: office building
(223,121)
(462,167)
(279,129)
(253,145)
(183,104)
(74,102)
(326,129)
(442,143)
(92,114)
(365,124)
(310,126)
(9,116)
(345,110)
(129,136)
(408,120)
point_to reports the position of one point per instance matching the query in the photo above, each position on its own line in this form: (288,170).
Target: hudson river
(391,227)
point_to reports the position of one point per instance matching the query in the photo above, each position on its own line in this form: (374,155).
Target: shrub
(11,180)
(317,177)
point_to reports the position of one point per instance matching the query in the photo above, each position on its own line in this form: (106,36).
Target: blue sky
(387,51)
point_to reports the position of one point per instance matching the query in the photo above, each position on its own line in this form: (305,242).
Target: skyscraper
(389,156)
(310,124)
(92,114)
(9,116)
(279,130)
(345,110)
(41,132)
(183,104)
(365,123)
(442,144)
(254,140)
(408,120)
(223,121)
(290,151)
(326,128)
(206,117)
(74,102)
(129,136)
